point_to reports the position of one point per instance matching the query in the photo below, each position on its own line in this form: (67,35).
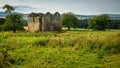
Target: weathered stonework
(47,22)
(33,24)
(57,22)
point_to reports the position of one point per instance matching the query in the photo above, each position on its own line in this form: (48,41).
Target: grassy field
(79,48)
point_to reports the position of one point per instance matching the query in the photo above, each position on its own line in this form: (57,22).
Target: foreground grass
(69,49)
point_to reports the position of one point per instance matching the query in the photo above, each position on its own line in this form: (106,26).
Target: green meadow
(77,48)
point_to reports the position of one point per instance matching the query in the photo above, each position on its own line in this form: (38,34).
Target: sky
(85,7)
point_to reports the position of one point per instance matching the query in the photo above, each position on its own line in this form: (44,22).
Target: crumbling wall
(33,24)
(57,22)
(48,22)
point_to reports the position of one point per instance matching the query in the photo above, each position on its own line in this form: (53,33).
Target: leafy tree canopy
(13,22)
(100,22)
(69,20)
(8,8)
(2,21)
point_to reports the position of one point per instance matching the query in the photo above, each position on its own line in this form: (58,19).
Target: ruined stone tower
(57,22)
(33,22)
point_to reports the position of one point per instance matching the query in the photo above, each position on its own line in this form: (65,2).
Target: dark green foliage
(13,22)
(100,22)
(41,42)
(115,24)
(69,20)
(83,23)
(25,22)
(2,21)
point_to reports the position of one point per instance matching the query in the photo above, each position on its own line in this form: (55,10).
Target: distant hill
(84,16)
(3,14)
(112,16)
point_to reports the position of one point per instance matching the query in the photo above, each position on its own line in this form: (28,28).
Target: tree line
(99,22)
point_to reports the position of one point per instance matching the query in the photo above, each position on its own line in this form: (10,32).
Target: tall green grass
(69,49)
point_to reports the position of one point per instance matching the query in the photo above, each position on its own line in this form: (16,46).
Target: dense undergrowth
(69,49)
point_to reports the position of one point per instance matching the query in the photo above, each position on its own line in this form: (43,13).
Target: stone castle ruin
(44,22)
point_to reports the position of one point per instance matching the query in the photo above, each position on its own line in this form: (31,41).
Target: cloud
(75,6)
(1,8)
(25,9)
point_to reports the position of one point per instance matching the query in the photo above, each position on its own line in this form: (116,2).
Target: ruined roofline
(57,14)
(32,14)
(42,14)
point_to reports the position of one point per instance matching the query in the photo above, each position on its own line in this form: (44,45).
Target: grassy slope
(72,49)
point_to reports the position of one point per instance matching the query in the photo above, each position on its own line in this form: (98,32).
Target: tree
(15,24)
(2,21)
(69,20)
(83,23)
(13,21)
(116,24)
(99,22)
(8,8)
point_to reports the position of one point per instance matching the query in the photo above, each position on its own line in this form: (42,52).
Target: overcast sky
(75,6)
